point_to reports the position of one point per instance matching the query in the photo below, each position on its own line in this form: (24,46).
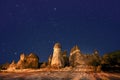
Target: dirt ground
(58,75)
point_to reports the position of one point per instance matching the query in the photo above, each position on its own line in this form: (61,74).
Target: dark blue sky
(36,25)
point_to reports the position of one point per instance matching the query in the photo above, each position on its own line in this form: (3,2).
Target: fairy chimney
(75,55)
(57,59)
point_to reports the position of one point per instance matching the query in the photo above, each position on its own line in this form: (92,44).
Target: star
(17,5)
(15,53)
(55,9)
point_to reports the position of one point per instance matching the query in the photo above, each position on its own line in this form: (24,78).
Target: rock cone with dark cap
(57,58)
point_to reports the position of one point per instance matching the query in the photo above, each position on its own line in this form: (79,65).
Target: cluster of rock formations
(76,58)
(59,59)
(26,61)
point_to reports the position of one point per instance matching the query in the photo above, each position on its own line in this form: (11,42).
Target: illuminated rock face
(22,62)
(57,58)
(22,57)
(83,61)
(12,66)
(49,60)
(30,61)
(75,55)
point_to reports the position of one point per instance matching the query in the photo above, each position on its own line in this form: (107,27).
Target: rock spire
(57,58)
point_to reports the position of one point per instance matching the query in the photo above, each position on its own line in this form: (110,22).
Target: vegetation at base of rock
(111,61)
(4,66)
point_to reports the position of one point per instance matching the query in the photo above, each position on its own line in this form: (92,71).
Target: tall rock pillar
(74,58)
(57,59)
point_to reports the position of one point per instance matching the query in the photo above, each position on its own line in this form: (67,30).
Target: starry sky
(36,25)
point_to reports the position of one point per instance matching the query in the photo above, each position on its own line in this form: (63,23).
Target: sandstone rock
(21,65)
(30,61)
(12,66)
(49,60)
(57,59)
(74,58)
(22,62)
(57,46)
(22,57)
(43,65)
(83,62)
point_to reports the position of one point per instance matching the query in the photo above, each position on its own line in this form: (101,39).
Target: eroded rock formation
(74,58)
(32,61)
(83,61)
(57,58)
(49,60)
(26,61)
(22,62)
(12,66)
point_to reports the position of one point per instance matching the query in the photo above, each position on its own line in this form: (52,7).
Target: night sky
(36,25)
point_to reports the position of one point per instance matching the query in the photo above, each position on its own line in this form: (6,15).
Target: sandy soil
(57,75)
